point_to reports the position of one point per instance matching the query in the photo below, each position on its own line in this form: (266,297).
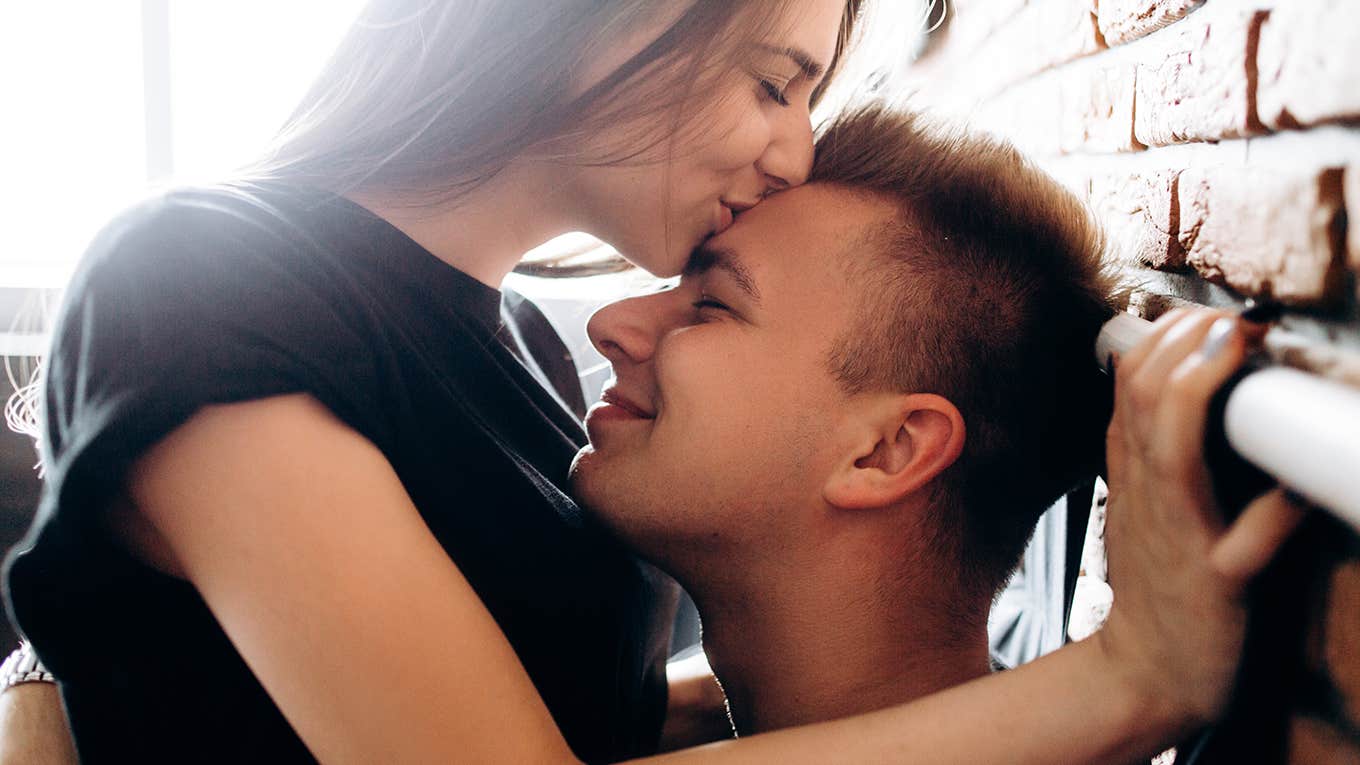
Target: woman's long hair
(427,99)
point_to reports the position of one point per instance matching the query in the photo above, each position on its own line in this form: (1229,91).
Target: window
(105,99)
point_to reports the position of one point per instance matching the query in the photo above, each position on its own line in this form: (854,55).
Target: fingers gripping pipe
(1300,428)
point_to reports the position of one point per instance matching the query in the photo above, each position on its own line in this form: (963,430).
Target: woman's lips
(729,209)
(725,218)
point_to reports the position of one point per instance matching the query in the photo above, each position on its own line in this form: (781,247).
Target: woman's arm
(310,554)
(33,728)
(304,544)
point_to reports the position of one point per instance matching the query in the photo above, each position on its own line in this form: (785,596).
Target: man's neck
(791,654)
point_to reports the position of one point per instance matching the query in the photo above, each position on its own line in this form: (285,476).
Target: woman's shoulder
(218,293)
(212,222)
(218,261)
(200,296)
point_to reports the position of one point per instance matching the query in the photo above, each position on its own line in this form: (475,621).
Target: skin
(756,138)
(1160,667)
(728,452)
(444,700)
(755,479)
(732,376)
(34,729)
(452,688)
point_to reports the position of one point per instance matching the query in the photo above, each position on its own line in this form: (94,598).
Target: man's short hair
(987,288)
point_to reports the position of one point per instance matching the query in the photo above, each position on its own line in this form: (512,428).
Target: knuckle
(1186,384)
(1142,396)
(1172,316)
(1181,382)
(1167,464)
(1114,435)
(1173,467)
(1115,445)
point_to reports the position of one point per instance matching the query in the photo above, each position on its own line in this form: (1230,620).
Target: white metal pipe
(1300,428)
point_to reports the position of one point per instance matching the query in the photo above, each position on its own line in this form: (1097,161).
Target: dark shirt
(227,294)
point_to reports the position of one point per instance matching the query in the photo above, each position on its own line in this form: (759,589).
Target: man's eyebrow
(810,67)
(706,258)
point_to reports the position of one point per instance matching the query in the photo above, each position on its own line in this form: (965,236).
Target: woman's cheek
(736,134)
(746,142)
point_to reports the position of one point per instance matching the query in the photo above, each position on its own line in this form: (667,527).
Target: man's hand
(1178,620)
(33,727)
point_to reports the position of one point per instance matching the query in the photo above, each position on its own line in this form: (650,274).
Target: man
(839,430)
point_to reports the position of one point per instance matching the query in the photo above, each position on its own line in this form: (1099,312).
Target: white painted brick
(1072,176)
(994,49)
(972,21)
(1098,107)
(1028,115)
(1140,216)
(1194,84)
(1329,361)
(1125,20)
(1084,107)
(1267,233)
(1309,63)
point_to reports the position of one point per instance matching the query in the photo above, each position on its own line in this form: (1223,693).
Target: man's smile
(616,406)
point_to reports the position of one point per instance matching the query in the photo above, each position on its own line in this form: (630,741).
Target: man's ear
(902,443)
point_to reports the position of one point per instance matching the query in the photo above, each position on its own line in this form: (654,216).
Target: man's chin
(587,478)
(583,455)
(583,472)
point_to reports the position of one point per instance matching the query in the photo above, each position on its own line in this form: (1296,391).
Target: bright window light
(238,70)
(71,142)
(76,144)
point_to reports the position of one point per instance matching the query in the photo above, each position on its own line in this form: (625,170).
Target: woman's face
(754,137)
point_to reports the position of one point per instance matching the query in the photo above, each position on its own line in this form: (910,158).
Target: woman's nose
(787,160)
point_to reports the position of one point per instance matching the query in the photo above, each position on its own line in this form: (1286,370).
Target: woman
(277,412)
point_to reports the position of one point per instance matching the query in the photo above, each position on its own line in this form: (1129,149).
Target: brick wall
(1219,143)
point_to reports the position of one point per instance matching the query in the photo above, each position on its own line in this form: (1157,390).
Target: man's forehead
(791,228)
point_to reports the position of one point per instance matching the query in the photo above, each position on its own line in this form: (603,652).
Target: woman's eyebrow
(707,257)
(809,66)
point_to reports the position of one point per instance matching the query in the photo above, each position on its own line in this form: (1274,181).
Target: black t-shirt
(226,294)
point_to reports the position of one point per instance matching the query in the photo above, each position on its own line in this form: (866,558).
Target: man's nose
(626,331)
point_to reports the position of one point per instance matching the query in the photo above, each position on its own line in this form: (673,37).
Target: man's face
(722,425)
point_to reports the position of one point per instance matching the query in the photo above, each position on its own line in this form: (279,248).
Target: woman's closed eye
(774,91)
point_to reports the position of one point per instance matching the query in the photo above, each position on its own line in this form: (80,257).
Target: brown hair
(987,289)
(429,98)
